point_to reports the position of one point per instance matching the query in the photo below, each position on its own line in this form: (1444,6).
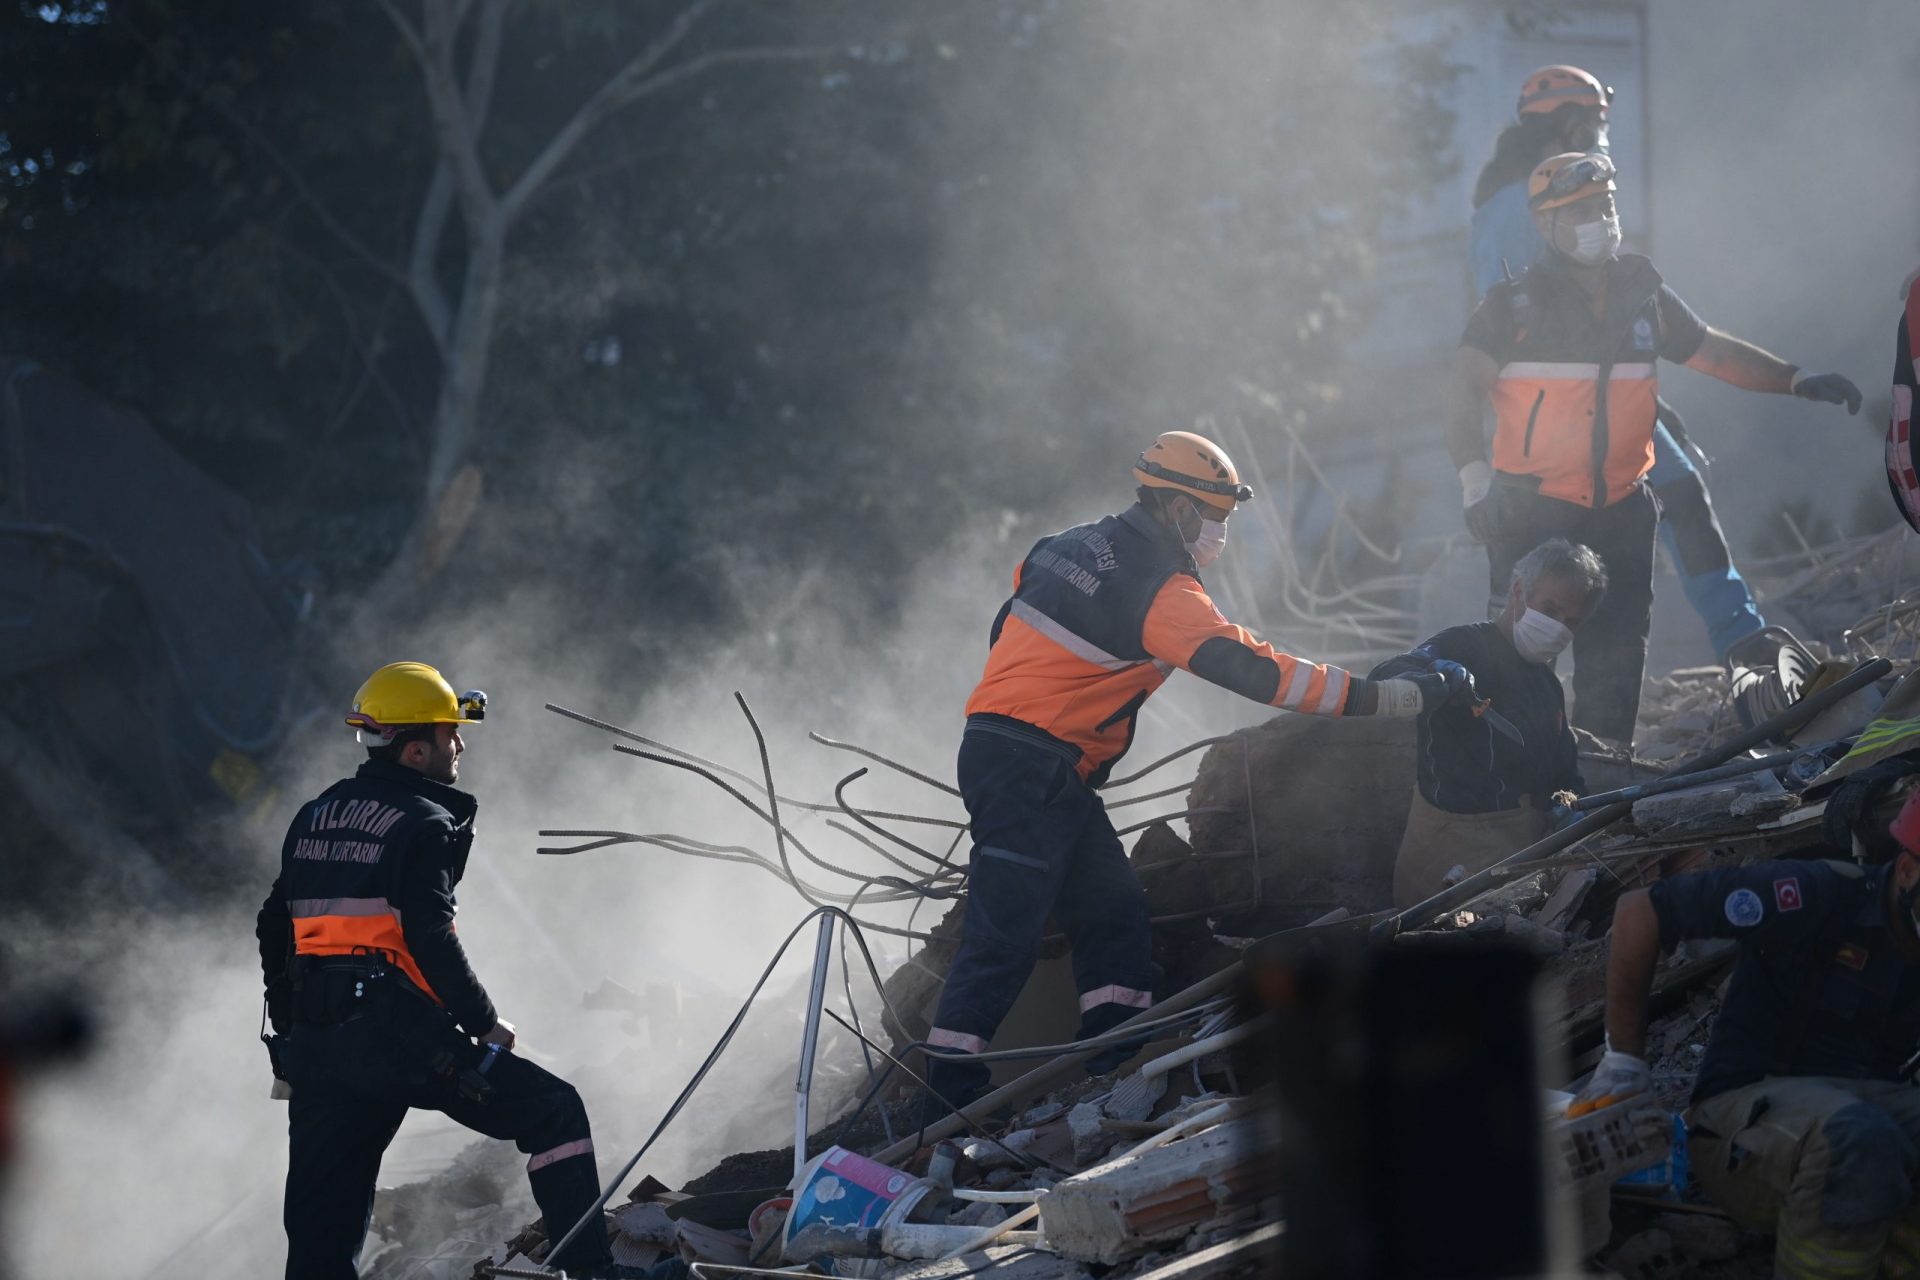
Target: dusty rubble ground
(1262,860)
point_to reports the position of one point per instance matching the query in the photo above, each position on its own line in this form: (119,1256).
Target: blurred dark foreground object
(35,1032)
(1407,1127)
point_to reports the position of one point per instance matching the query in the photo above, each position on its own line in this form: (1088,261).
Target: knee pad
(1870,1168)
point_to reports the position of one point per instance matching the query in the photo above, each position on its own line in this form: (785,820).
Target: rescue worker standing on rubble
(1804,1119)
(1564,109)
(1100,616)
(1485,785)
(1570,462)
(372,1002)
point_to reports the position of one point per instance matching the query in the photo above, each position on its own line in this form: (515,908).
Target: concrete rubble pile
(1156,1171)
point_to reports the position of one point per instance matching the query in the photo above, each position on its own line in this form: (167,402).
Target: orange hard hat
(1550,88)
(1567,177)
(1194,465)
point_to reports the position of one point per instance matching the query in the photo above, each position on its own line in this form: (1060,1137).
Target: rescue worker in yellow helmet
(1568,461)
(373,1005)
(1101,614)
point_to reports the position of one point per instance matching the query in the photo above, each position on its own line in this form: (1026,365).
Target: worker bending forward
(1100,616)
(1479,793)
(1568,461)
(373,1004)
(1804,1119)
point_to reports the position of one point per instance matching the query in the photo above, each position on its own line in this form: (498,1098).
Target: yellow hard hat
(1567,177)
(402,694)
(1550,88)
(1192,464)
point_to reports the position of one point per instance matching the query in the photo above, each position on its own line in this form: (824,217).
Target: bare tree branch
(459,141)
(485,63)
(423,280)
(605,100)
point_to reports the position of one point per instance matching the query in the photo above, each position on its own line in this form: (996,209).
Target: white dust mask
(1593,242)
(1539,638)
(1209,543)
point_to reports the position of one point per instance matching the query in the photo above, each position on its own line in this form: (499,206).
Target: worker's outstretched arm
(426,915)
(1634,950)
(1186,630)
(1623,1072)
(1740,363)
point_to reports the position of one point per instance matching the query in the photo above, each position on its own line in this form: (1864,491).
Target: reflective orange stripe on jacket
(1546,427)
(343,926)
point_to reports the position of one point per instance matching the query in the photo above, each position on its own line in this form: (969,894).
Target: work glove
(276,1055)
(1618,1077)
(1457,687)
(1478,502)
(1410,694)
(1828,388)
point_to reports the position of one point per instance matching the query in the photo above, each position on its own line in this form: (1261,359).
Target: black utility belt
(328,990)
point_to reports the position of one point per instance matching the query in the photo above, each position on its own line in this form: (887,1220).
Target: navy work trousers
(352,1084)
(1610,649)
(1042,845)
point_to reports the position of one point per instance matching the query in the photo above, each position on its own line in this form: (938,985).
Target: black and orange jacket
(1100,616)
(371,865)
(1552,429)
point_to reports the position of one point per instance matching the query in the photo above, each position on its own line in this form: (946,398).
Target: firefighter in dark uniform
(1804,1118)
(372,1003)
(1568,461)
(1100,616)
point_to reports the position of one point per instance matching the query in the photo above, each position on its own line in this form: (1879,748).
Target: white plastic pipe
(1201,1048)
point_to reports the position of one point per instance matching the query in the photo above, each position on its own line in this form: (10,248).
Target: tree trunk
(452,485)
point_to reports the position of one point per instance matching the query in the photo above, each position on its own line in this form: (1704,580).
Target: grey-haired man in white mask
(1489,766)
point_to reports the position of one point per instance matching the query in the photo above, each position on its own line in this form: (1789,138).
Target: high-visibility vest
(342,862)
(1552,428)
(1067,656)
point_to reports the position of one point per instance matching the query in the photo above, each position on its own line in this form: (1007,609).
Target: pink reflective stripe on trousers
(565,1151)
(941,1038)
(1128,996)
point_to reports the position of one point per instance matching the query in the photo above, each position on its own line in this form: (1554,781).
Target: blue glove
(1456,684)
(1828,388)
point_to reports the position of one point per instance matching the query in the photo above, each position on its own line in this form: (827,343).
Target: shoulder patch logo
(1786,893)
(1743,908)
(1852,955)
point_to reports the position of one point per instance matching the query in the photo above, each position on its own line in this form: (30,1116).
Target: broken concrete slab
(1254,1253)
(1129,1206)
(1567,898)
(1705,807)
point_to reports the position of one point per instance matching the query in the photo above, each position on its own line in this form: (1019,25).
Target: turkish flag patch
(1786,893)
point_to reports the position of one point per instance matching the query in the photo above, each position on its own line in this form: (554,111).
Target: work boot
(1101,1019)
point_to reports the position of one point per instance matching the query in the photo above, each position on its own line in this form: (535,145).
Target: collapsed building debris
(1045,1176)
